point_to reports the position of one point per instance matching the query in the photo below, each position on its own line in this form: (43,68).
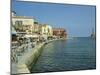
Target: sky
(78,20)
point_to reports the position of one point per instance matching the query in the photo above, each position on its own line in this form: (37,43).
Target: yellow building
(46,30)
(23,23)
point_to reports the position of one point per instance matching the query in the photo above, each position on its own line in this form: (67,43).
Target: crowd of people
(20,45)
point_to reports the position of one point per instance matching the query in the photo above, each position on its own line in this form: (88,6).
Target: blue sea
(67,55)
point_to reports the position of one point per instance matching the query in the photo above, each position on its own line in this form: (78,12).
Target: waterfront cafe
(14,37)
(17,37)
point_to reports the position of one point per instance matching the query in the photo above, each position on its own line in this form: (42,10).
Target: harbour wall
(30,58)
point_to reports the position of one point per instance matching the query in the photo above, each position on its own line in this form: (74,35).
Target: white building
(26,22)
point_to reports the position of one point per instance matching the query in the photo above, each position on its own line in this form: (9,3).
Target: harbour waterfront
(40,42)
(28,37)
(67,55)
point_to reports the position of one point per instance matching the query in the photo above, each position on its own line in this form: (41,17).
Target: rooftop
(25,17)
(61,29)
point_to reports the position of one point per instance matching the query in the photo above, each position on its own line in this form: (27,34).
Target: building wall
(37,28)
(50,31)
(25,21)
(59,32)
(28,23)
(47,30)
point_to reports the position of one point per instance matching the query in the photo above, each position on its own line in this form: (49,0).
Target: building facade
(59,32)
(23,23)
(37,27)
(46,31)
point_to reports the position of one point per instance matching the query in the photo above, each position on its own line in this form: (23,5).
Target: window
(18,23)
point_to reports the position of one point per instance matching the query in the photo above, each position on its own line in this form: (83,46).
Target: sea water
(67,55)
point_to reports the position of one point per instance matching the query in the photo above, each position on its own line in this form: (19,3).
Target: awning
(33,36)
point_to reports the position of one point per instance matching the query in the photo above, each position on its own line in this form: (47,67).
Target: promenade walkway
(25,55)
(22,58)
